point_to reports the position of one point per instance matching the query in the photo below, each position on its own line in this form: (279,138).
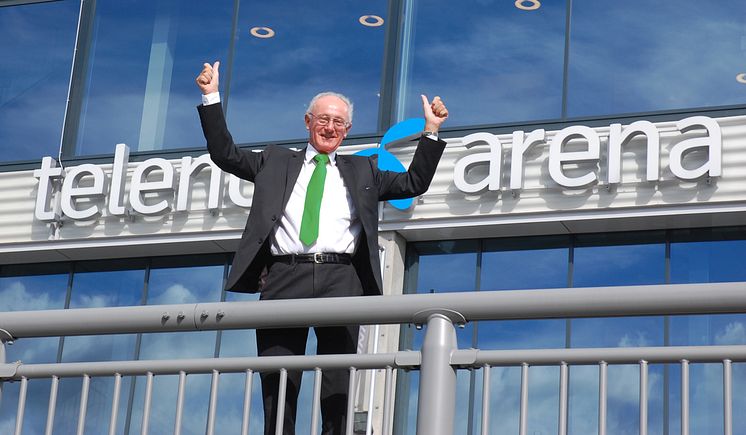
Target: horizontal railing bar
(592,356)
(223,365)
(668,299)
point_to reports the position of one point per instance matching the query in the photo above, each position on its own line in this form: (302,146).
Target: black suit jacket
(274,172)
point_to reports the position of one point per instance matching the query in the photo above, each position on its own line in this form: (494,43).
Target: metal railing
(438,360)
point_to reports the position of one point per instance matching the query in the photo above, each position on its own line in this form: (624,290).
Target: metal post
(643,397)
(437,401)
(486,400)
(2,361)
(684,397)
(523,413)
(562,426)
(602,393)
(727,397)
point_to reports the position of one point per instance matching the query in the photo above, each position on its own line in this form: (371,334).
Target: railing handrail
(665,299)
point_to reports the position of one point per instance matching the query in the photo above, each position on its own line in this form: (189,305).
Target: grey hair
(331,94)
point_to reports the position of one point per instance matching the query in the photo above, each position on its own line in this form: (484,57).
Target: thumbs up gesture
(207,80)
(435,113)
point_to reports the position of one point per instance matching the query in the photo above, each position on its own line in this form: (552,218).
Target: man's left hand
(435,113)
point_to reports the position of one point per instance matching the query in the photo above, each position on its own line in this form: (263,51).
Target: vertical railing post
(437,396)
(2,361)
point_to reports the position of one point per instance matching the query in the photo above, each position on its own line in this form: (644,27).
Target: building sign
(576,159)
(589,152)
(141,184)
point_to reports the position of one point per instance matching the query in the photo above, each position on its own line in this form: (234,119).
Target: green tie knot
(321,158)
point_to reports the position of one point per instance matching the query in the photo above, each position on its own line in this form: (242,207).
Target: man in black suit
(313,229)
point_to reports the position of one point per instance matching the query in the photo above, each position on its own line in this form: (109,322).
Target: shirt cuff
(430,135)
(211,98)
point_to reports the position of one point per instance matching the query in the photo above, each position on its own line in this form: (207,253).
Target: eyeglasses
(325,120)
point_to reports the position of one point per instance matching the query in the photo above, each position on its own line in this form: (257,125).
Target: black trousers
(308,280)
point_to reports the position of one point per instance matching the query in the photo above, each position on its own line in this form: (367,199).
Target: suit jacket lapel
(295,163)
(349,175)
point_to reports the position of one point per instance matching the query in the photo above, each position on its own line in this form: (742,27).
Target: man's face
(333,112)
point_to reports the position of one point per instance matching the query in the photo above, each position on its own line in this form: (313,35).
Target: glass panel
(622,400)
(448,266)
(613,266)
(19,293)
(632,264)
(140,85)
(637,56)
(513,269)
(37,399)
(179,285)
(41,292)
(490,61)
(37,52)
(97,289)
(707,261)
(317,46)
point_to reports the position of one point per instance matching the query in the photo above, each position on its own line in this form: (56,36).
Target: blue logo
(402,131)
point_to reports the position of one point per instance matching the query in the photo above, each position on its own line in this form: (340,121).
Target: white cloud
(733,333)
(175,294)
(15,297)
(636,339)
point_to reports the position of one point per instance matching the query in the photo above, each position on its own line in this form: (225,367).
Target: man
(312,230)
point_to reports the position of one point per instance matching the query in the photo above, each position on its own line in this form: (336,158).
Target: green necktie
(309,226)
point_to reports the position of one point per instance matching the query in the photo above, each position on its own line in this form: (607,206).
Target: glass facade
(81,77)
(132,72)
(602,260)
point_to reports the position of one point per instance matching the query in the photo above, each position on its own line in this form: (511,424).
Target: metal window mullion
(231,57)
(213,402)
(316,402)
(566,60)
(247,403)
(78,78)
(21,405)
(52,405)
(180,403)
(391,41)
(83,404)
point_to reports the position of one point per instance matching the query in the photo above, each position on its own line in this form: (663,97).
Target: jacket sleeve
(416,181)
(223,151)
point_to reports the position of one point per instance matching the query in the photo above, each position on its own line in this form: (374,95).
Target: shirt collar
(311,153)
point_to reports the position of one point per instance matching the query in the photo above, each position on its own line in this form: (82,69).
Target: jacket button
(274,218)
(260,241)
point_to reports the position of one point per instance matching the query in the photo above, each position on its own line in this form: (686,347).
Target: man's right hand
(207,80)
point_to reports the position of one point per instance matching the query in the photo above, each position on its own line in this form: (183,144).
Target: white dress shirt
(339,225)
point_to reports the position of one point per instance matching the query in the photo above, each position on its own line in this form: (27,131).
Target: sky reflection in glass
(638,56)
(316,47)
(140,86)
(37,50)
(489,61)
